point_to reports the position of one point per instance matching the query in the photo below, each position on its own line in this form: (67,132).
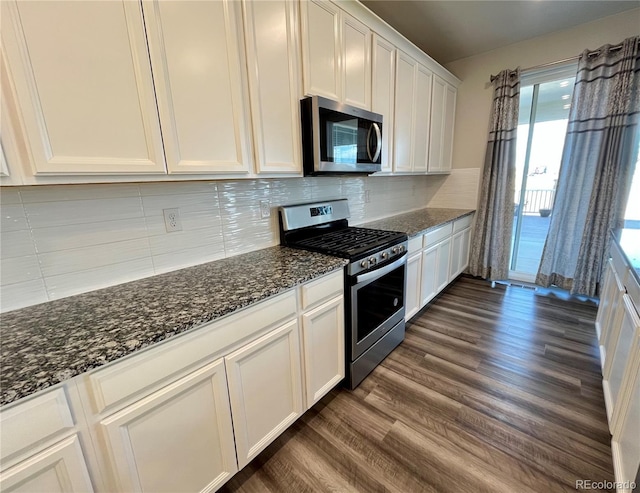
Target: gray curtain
(599,155)
(491,247)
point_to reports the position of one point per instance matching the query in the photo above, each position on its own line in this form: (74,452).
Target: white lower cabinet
(60,468)
(179,438)
(459,253)
(323,342)
(265,388)
(413,288)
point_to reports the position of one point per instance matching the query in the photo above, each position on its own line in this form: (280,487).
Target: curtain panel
(598,159)
(491,247)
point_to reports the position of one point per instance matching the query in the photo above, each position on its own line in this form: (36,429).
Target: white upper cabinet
(412,110)
(84,87)
(197,57)
(443,112)
(336,54)
(275,84)
(383,66)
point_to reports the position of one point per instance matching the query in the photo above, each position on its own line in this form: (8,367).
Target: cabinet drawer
(415,244)
(141,373)
(438,234)
(37,419)
(322,289)
(462,223)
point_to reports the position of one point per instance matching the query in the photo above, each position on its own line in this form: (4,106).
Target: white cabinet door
(265,389)
(84,86)
(197,58)
(609,292)
(178,439)
(456,251)
(412,293)
(383,94)
(323,342)
(404,114)
(321,57)
(442,271)
(274,83)
(429,274)
(422,119)
(443,108)
(465,250)
(356,66)
(60,468)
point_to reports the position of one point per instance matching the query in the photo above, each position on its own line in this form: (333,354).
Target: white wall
(475,92)
(62,240)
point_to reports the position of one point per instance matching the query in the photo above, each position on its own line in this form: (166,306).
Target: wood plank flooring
(493,390)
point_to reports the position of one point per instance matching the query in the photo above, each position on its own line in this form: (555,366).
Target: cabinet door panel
(456,255)
(444,257)
(87,100)
(356,56)
(404,113)
(429,274)
(196,53)
(323,341)
(437,120)
(60,468)
(265,389)
(383,94)
(464,252)
(422,115)
(177,439)
(274,83)
(412,295)
(321,41)
(448,125)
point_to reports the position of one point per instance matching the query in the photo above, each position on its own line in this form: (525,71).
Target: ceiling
(450,30)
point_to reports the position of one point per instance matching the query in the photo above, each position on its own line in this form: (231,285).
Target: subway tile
(83,235)
(81,259)
(187,257)
(153,205)
(58,193)
(177,188)
(16,244)
(22,294)
(77,282)
(49,214)
(13,218)
(180,240)
(19,269)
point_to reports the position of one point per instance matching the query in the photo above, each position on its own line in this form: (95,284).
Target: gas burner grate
(349,241)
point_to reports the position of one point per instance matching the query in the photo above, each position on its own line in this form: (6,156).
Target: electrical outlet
(265,209)
(172,220)
(367,196)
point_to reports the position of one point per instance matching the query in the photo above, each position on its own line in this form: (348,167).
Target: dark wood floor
(493,390)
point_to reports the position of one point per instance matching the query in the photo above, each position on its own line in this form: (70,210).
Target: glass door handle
(376,154)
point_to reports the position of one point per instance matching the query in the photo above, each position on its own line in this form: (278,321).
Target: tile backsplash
(57,241)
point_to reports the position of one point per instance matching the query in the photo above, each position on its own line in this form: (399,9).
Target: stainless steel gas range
(374,277)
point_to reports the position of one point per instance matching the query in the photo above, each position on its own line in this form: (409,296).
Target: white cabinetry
(412,110)
(88,105)
(383,66)
(265,389)
(197,56)
(336,54)
(414,275)
(443,109)
(179,438)
(274,83)
(460,247)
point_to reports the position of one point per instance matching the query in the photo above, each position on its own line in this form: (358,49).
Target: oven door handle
(382,270)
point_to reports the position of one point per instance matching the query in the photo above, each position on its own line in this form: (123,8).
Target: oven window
(378,301)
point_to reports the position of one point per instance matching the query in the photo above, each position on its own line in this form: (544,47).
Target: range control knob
(364,263)
(372,261)
(384,255)
(395,250)
(401,248)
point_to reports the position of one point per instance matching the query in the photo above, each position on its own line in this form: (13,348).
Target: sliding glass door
(545,100)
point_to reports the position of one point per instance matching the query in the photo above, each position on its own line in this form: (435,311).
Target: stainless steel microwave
(339,139)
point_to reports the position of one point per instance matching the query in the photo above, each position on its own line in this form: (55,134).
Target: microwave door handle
(368,141)
(378,142)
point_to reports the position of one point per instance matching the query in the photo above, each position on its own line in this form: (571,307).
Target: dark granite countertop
(45,344)
(418,222)
(629,241)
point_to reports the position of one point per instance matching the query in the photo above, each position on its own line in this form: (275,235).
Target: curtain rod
(550,64)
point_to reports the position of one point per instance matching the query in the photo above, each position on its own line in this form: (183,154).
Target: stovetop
(350,242)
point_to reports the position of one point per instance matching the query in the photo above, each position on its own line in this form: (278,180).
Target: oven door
(377,304)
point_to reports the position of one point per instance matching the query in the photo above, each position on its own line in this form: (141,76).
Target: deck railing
(534,200)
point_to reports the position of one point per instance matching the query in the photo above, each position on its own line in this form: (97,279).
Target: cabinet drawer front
(140,374)
(462,223)
(415,244)
(438,234)
(30,422)
(322,289)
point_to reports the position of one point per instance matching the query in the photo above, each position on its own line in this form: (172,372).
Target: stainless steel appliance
(374,277)
(338,138)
